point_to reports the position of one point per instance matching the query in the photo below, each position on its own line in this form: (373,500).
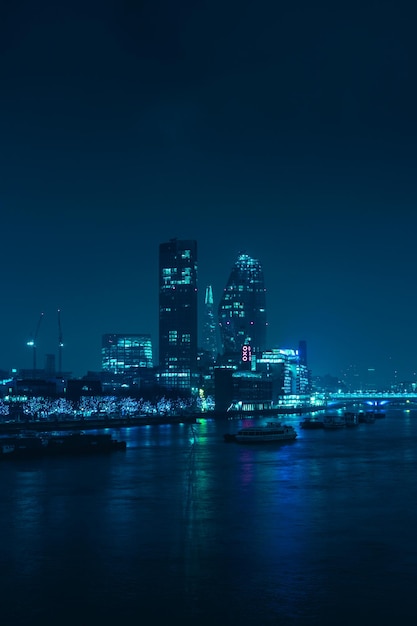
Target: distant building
(50,365)
(126,362)
(126,354)
(302,352)
(224,395)
(242,312)
(85,386)
(46,381)
(288,369)
(243,391)
(178,315)
(277,377)
(209,343)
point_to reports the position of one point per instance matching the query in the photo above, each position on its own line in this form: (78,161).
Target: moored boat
(333,422)
(270,432)
(47,445)
(366,418)
(351,418)
(311,423)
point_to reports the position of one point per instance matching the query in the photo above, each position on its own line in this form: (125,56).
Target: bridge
(371,398)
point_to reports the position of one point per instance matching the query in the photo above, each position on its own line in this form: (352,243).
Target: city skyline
(364,377)
(285,132)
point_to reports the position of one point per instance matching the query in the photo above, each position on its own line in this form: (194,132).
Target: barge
(57,444)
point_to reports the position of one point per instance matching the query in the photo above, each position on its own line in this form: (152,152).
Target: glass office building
(290,367)
(242,312)
(178,315)
(126,354)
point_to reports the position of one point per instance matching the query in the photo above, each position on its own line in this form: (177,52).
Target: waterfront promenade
(117,421)
(26,423)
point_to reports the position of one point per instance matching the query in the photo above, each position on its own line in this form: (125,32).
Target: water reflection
(316,531)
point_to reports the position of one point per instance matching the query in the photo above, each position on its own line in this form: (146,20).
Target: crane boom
(60,343)
(38,326)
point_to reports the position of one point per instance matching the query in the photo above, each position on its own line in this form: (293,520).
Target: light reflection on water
(190,529)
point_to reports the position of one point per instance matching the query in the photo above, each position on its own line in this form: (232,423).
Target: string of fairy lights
(92,406)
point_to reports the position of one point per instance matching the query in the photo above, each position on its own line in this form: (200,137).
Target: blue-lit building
(126,354)
(289,368)
(242,312)
(278,377)
(126,362)
(178,315)
(240,390)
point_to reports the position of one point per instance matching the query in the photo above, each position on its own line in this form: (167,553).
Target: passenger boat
(51,445)
(270,432)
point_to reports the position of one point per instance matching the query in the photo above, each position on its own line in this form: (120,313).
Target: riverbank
(282,410)
(92,424)
(46,425)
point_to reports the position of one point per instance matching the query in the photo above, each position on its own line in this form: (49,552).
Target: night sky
(284,130)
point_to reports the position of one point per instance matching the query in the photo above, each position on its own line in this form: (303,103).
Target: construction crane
(32,343)
(60,343)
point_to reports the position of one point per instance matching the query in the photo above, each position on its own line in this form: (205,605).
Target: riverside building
(279,378)
(126,360)
(126,354)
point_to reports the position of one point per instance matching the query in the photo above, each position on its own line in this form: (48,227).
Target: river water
(185,528)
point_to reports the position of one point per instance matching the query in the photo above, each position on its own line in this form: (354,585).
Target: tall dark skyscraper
(242,313)
(178,314)
(210,326)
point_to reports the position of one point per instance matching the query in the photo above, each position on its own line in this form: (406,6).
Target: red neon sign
(246,354)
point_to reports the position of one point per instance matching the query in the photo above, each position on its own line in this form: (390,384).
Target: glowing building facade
(126,354)
(281,379)
(242,312)
(289,367)
(178,314)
